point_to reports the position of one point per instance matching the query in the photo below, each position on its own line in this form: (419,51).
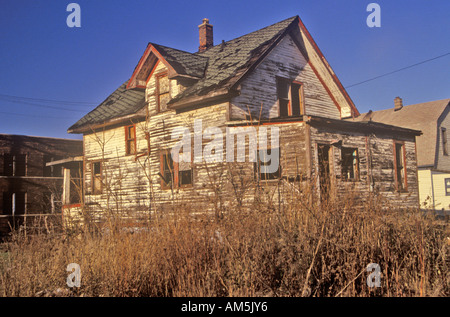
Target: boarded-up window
(162,91)
(14,203)
(400,166)
(130,139)
(267,165)
(290,100)
(97,181)
(444,141)
(14,165)
(350,164)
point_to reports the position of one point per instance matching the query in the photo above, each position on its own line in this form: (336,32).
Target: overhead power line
(45,106)
(66,102)
(31,115)
(398,70)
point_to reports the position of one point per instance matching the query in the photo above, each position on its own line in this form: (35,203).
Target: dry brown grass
(288,250)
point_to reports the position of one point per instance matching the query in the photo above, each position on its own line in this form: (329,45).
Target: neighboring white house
(433,151)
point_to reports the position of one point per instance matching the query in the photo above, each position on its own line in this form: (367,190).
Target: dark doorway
(323,151)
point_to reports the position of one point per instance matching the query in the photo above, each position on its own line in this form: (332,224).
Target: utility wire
(2,96)
(45,106)
(31,115)
(398,70)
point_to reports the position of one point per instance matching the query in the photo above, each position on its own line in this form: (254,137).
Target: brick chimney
(398,103)
(205,31)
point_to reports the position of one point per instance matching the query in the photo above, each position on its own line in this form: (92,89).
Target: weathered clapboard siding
(258,90)
(125,182)
(376,165)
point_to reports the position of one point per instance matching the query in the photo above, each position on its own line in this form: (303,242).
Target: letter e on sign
(73,19)
(374,19)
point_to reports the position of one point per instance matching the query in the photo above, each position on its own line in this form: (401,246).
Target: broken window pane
(267,168)
(400,175)
(163,91)
(167,169)
(350,164)
(96,178)
(289,98)
(130,136)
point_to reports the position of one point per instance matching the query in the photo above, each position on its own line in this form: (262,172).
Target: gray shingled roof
(422,116)
(184,63)
(229,59)
(219,67)
(120,103)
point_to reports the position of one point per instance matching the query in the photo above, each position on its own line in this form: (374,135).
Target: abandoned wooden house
(29,187)
(433,158)
(274,80)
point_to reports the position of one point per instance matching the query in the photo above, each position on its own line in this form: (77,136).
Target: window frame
(166,185)
(257,168)
(447,186)
(404,187)
(354,166)
(130,139)
(10,199)
(158,94)
(289,84)
(52,171)
(10,164)
(444,141)
(175,173)
(94,190)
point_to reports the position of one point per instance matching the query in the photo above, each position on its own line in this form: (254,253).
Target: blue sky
(43,61)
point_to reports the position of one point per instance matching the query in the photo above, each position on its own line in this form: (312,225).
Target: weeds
(297,250)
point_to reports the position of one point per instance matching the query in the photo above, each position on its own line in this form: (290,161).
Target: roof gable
(229,61)
(323,71)
(179,63)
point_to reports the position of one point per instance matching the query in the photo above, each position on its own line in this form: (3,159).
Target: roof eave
(92,127)
(361,125)
(173,73)
(215,95)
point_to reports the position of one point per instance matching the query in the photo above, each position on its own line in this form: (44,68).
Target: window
(447,186)
(177,173)
(400,166)
(267,165)
(130,139)
(162,90)
(52,171)
(14,203)
(290,101)
(97,184)
(184,173)
(14,165)
(444,141)
(167,170)
(350,164)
